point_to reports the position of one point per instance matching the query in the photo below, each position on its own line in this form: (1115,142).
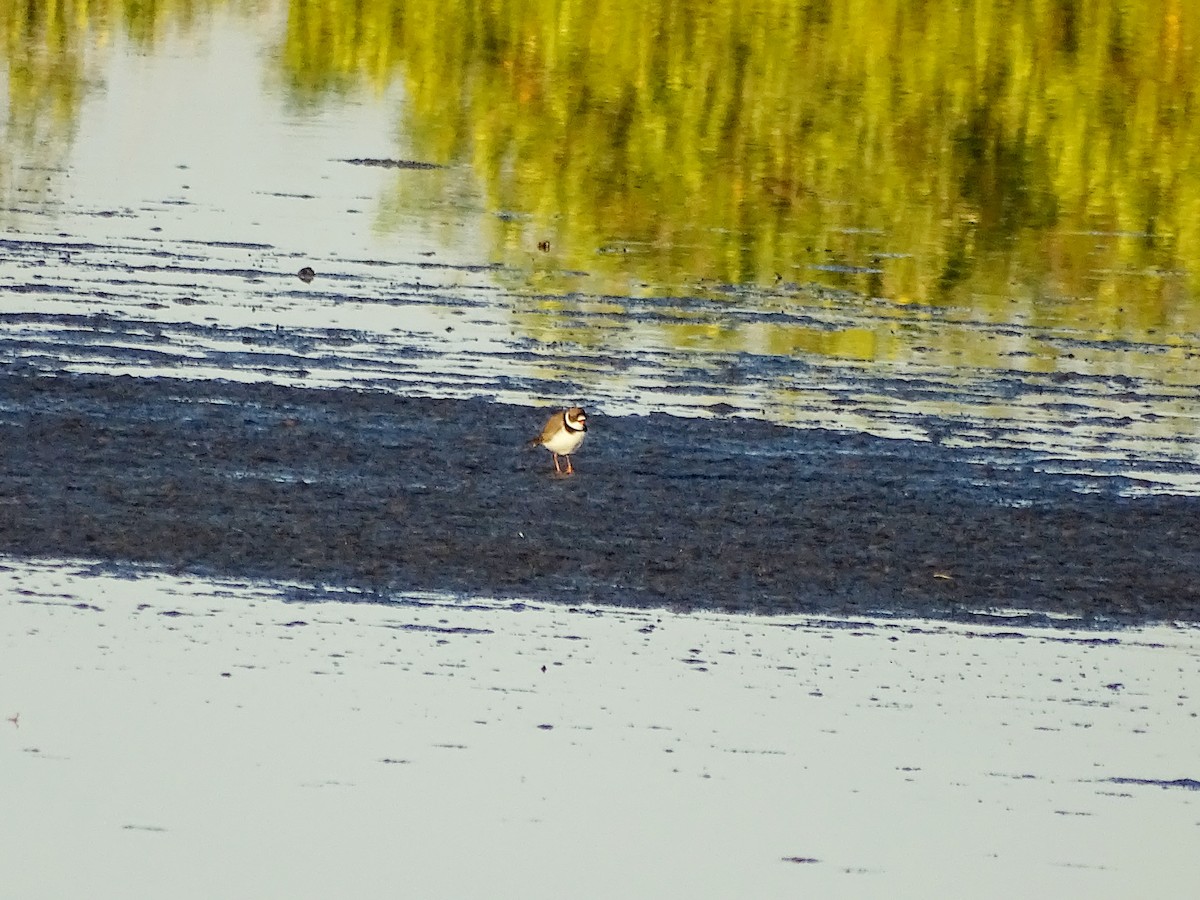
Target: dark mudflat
(386,493)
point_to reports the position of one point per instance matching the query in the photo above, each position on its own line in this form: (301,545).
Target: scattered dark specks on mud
(391,494)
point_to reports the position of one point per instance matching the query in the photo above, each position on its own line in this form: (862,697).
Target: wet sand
(186,738)
(385,493)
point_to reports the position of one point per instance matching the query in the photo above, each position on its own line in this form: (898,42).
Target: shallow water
(187,736)
(169,244)
(989,242)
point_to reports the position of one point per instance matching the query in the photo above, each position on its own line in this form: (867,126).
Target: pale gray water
(188,738)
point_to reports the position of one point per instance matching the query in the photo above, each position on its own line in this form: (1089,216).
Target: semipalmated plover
(563,434)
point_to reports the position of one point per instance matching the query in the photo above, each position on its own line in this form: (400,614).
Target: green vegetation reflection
(50,49)
(1032,159)
(1042,150)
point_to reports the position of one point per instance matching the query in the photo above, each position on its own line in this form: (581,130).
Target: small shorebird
(563,434)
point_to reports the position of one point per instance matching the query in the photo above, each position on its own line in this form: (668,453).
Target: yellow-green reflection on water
(50,50)
(1035,161)
(929,151)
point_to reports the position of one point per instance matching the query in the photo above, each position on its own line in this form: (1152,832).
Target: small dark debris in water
(440,629)
(393,163)
(395,762)
(307,274)
(87,606)
(801,859)
(15,718)
(544,246)
(171,613)
(722,409)
(294,624)
(155,828)
(1115,686)
(226,674)
(1190,784)
(545,727)
(543,670)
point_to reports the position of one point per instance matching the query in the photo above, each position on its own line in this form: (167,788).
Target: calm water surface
(971,223)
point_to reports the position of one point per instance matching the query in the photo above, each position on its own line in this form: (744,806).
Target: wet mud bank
(388,493)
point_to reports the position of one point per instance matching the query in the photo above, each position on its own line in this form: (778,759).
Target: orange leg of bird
(570,468)
(556,468)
